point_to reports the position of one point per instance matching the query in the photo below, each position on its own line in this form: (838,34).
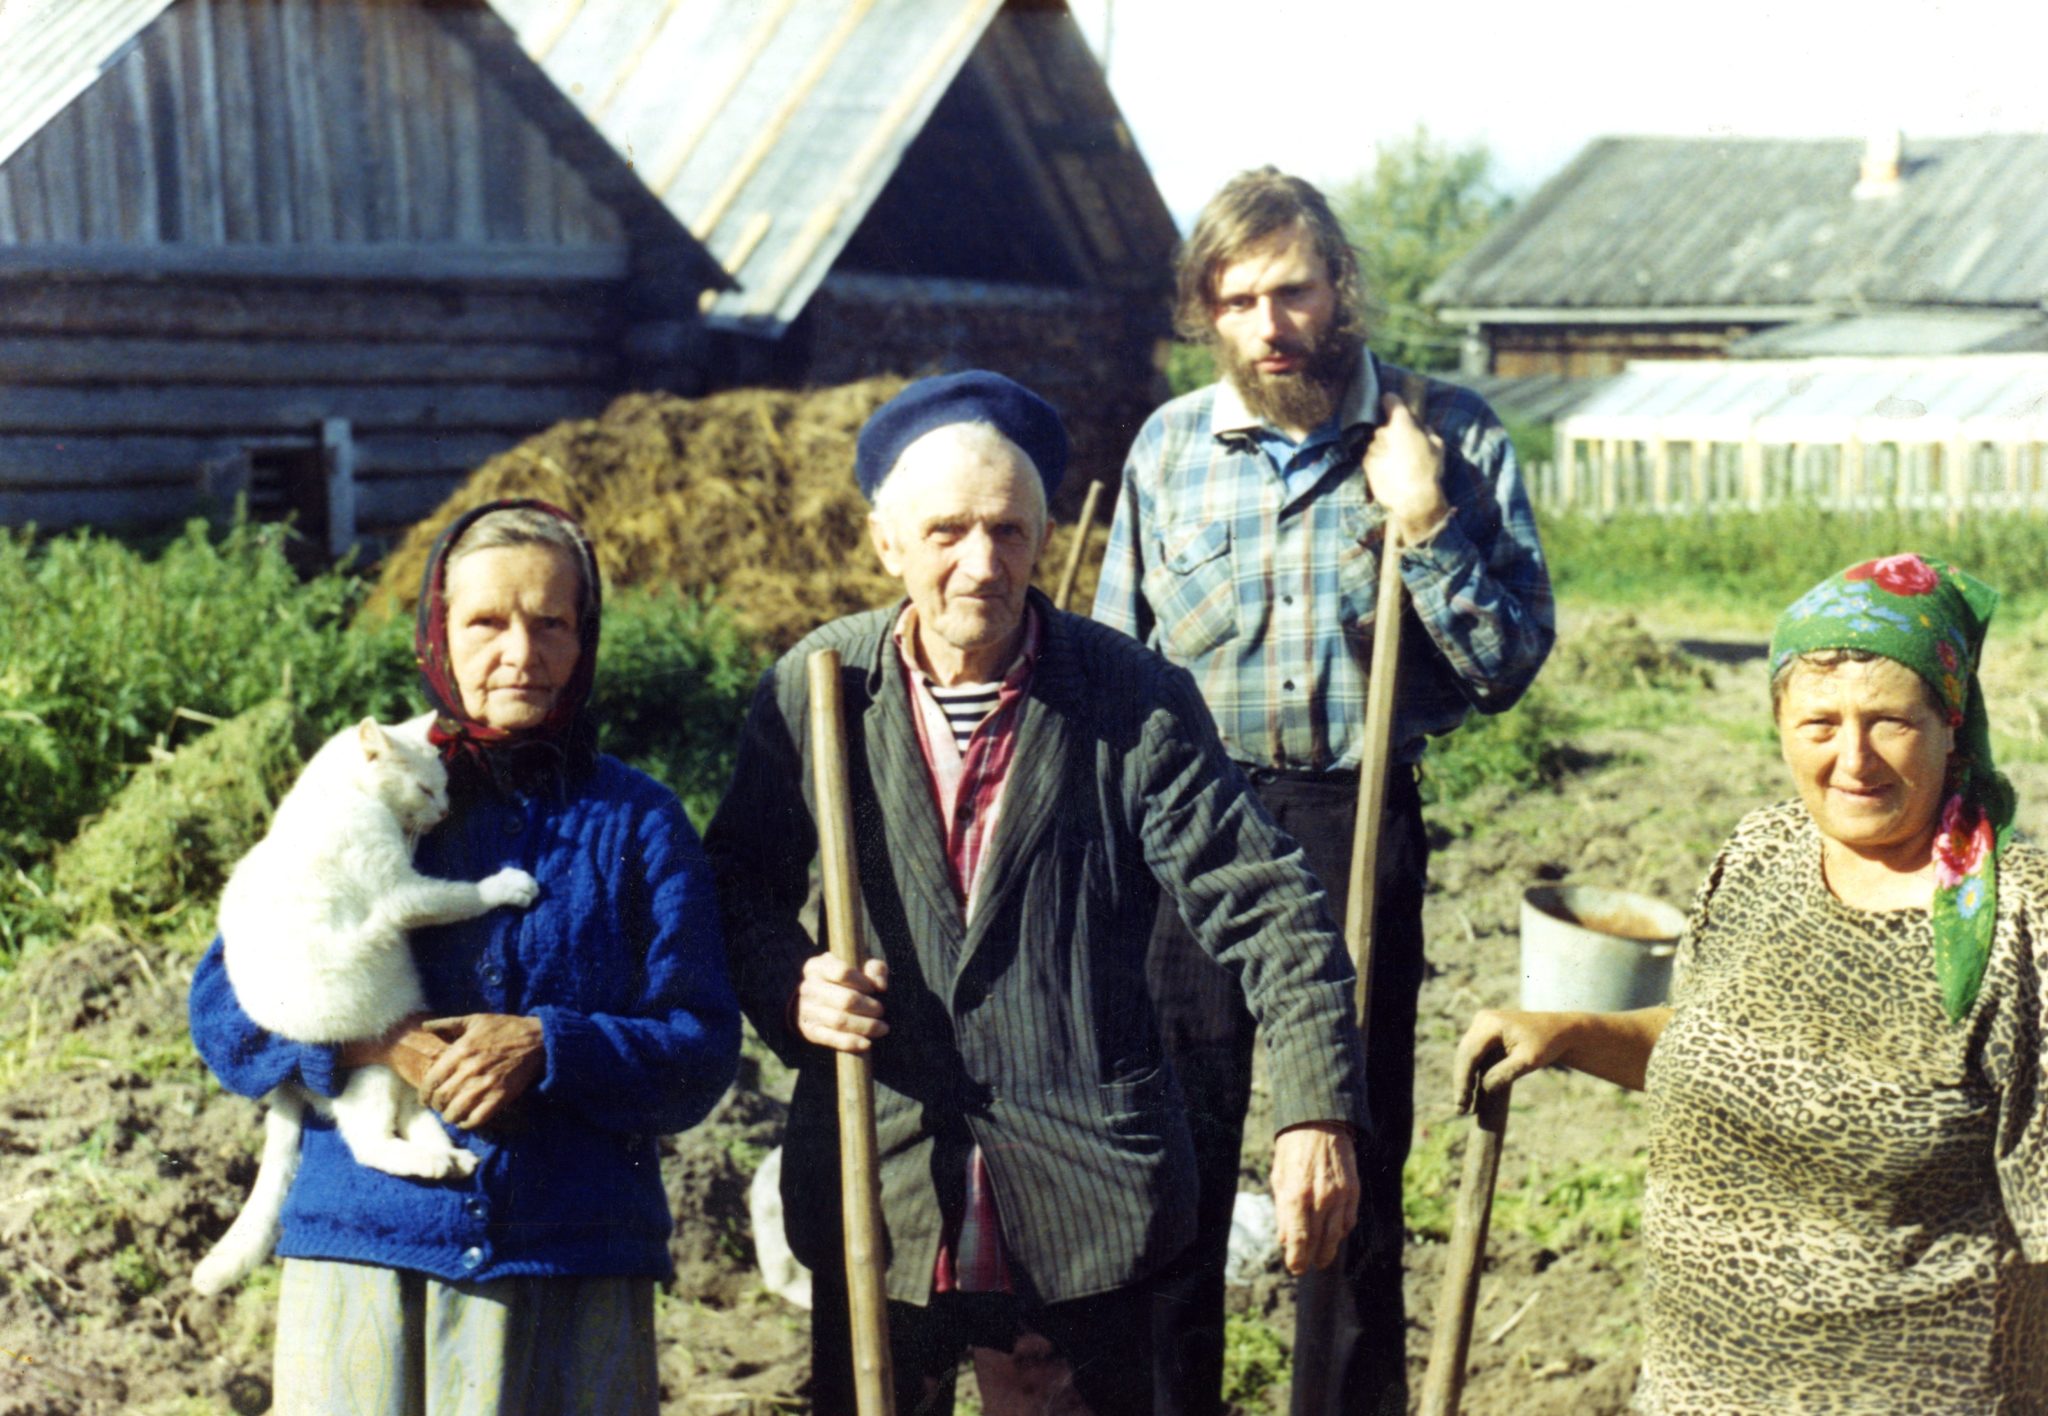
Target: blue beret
(976,396)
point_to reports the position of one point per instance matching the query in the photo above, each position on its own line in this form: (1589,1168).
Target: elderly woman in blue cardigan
(563,1039)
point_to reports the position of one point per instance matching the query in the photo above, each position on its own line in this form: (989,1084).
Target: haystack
(747,495)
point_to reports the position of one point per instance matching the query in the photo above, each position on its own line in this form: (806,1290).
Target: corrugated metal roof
(1990,396)
(1905,332)
(52,50)
(768,127)
(1658,223)
(1531,398)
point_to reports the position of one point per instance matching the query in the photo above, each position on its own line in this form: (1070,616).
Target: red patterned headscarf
(505,755)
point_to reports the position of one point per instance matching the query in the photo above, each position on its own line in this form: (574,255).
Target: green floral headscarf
(1932,618)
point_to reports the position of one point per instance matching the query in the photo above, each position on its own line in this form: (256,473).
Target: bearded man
(1246,548)
(1026,785)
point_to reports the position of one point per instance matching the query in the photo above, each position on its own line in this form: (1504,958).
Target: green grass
(1560,1208)
(1255,1360)
(1743,568)
(113,657)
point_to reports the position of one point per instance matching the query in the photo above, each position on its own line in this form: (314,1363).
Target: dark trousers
(1105,1340)
(1350,1329)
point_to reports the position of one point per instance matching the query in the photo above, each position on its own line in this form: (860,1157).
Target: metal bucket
(1594,950)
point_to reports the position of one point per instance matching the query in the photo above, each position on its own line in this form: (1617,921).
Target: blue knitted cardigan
(621,961)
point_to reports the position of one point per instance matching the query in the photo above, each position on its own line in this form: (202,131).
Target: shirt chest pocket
(1192,590)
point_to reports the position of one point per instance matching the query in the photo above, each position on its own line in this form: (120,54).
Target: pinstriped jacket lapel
(1044,741)
(908,815)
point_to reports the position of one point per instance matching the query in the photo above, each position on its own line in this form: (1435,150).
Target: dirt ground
(120,1160)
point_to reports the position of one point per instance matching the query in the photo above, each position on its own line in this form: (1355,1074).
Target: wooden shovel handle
(1079,548)
(859,1178)
(1444,1383)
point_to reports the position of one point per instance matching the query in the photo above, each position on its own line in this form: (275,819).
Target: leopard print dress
(1848,1195)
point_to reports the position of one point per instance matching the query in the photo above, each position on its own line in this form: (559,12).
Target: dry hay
(748,494)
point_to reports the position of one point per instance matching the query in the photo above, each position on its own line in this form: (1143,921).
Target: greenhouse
(1960,435)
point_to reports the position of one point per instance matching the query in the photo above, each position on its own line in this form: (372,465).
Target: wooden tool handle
(1444,1383)
(1075,552)
(1373,766)
(859,1178)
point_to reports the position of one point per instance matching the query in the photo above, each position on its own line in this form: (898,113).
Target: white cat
(313,923)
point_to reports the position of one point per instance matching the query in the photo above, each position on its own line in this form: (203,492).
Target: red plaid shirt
(968,790)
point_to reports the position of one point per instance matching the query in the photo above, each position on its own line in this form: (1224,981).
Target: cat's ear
(370,733)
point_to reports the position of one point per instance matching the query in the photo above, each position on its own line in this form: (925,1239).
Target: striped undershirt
(965,706)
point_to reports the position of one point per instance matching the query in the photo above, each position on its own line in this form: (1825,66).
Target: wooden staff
(1317,1301)
(1444,1383)
(1373,766)
(1079,548)
(860,1195)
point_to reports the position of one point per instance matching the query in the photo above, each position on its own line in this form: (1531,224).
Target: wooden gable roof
(771,130)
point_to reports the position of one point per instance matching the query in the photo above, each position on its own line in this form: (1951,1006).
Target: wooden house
(336,252)
(1701,248)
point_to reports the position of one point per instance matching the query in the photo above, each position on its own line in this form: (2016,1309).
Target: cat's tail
(253,1235)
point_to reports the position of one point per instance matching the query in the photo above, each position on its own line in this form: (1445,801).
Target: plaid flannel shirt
(1267,595)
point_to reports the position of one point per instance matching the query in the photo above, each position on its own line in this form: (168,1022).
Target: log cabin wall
(269,214)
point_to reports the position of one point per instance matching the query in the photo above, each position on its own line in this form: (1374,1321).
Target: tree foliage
(1424,204)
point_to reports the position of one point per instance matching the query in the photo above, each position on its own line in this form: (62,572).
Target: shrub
(108,653)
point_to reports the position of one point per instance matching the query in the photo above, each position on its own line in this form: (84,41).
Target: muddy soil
(120,1160)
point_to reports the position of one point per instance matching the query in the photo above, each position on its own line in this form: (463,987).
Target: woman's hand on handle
(1503,1045)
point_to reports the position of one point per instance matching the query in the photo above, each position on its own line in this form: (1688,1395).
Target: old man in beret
(1025,786)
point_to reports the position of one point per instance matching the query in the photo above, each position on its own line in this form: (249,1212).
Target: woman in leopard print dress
(1847,1208)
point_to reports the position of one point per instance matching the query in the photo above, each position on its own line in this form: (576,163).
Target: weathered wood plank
(407,262)
(199,120)
(63,191)
(433,185)
(56,510)
(465,140)
(134,173)
(445,313)
(62,360)
(8,230)
(162,137)
(344,119)
(370,409)
(386,119)
(94,114)
(273,107)
(313,179)
(234,82)
(501,165)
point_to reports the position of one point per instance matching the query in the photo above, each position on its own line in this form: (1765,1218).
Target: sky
(1210,87)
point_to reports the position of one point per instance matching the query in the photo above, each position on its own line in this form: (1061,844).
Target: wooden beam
(407,262)
(338,464)
(311,309)
(294,408)
(56,509)
(100,360)
(28,463)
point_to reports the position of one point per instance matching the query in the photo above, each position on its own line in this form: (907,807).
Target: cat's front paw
(510,886)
